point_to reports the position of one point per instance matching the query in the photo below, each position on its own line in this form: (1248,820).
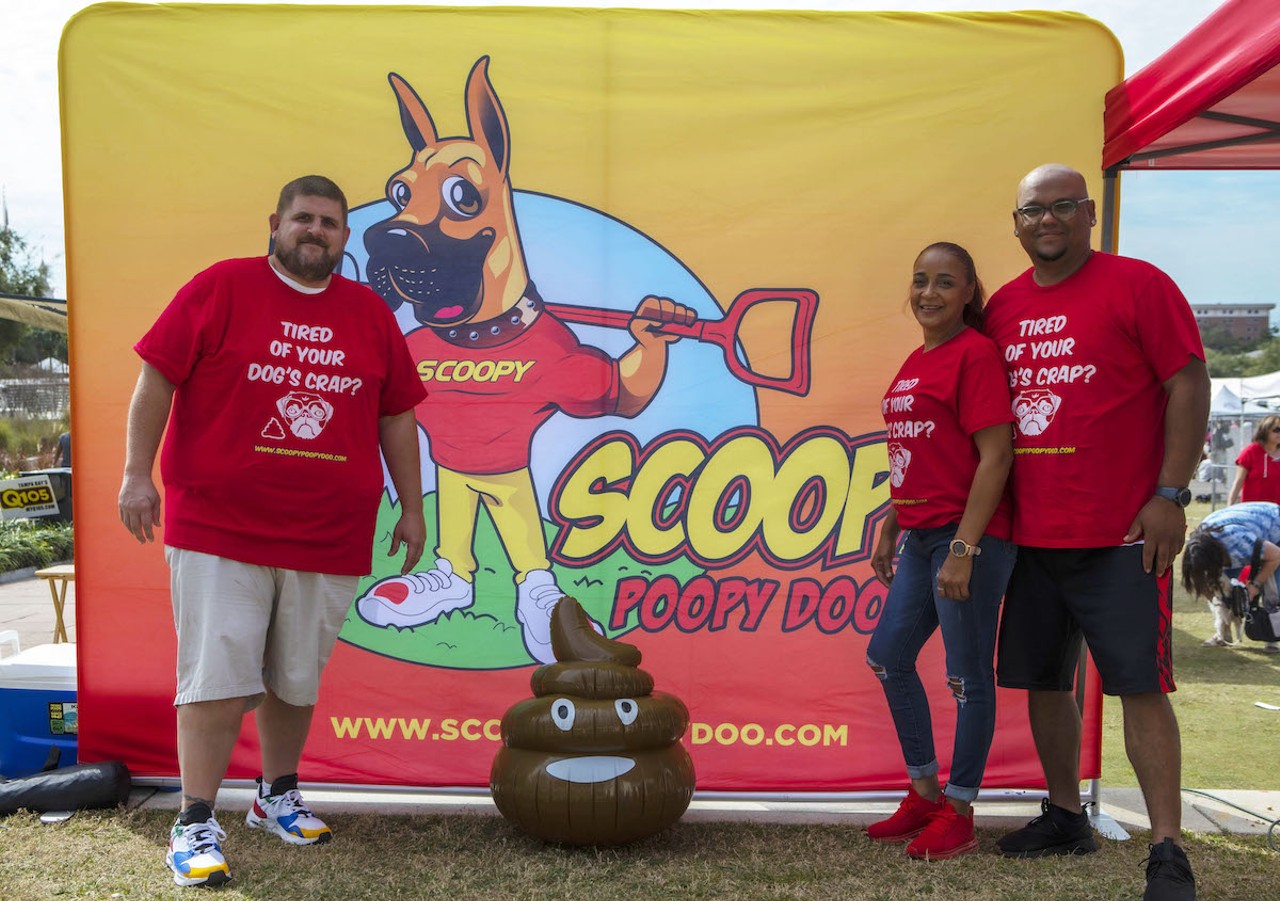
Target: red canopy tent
(1212,101)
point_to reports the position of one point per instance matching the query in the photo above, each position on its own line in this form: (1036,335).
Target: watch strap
(1179,496)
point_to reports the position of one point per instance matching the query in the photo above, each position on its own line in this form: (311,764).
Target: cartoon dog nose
(396,241)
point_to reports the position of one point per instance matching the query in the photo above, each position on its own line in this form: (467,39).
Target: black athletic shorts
(1056,596)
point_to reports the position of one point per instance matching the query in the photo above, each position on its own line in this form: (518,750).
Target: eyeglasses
(1062,210)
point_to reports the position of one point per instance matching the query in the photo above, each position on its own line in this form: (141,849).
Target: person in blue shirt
(1222,546)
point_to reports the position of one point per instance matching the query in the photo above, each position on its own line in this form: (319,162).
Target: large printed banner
(775,173)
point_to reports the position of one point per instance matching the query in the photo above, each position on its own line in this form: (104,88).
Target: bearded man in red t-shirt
(1111,397)
(280,381)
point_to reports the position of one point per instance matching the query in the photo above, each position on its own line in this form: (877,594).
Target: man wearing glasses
(1111,395)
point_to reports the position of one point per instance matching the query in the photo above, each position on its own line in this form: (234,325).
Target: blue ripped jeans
(911,613)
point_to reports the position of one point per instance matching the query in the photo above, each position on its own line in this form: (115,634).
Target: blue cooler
(37,708)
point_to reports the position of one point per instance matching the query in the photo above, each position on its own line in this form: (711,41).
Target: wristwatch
(1180,496)
(960,548)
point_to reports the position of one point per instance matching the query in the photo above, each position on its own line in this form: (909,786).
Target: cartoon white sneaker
(535,598)
(416,599)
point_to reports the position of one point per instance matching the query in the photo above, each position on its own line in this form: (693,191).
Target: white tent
(1240,397)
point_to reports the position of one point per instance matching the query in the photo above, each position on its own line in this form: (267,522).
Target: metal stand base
(1104,824)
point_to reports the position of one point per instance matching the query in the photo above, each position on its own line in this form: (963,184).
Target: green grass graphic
(486,635)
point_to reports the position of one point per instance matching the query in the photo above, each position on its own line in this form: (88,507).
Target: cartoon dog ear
(485,118)
(414,118)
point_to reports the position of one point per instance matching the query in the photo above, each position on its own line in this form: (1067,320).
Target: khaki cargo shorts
(244,629)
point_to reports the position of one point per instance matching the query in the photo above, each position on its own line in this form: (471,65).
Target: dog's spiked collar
(498,330)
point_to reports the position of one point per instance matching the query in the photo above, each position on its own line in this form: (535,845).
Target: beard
(1053,256)
(310,268)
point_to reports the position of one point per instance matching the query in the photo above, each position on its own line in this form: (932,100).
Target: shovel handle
(724,332)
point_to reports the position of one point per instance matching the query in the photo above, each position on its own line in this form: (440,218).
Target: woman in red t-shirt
(1258,466)
(948,422)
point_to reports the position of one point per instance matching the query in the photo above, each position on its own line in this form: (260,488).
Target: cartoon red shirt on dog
(497,365)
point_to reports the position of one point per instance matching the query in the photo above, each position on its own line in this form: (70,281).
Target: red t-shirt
(935,404)
(1261,474)
(272,453)
(1087,359)
(483,405)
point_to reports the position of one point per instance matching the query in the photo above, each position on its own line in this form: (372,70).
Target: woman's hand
(953,578)
(882,559)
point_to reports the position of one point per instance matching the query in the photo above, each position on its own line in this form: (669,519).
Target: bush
(29,442)
(34,543)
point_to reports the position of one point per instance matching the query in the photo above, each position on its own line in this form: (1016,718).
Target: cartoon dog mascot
(496,364)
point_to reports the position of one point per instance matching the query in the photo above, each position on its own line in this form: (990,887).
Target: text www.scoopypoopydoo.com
(805,735)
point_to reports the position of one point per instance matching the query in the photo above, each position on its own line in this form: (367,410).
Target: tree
(21,273)
(1263,361)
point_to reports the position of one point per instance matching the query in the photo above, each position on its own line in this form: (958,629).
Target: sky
(1214,232)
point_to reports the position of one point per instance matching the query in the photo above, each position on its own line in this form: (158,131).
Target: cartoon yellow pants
(509,499)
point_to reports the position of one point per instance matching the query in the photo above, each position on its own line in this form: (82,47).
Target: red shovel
(724,332)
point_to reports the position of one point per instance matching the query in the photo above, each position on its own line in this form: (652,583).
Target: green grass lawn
(121,855)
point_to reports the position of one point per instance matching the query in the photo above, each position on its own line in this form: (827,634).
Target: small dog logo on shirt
(1035,409)
(306,414)
(899,460)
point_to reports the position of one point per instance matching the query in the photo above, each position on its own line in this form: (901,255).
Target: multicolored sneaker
(947,834)
(195,855)
(284,813)
(908,820)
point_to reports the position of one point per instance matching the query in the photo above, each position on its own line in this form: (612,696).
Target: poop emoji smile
(595,757)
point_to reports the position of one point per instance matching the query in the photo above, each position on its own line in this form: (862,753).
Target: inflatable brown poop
(595,757)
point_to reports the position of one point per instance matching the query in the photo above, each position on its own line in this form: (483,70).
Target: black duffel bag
(86,786)
(1258,624)
(1257,621)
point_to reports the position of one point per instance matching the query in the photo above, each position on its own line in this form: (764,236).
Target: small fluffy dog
(1226,621)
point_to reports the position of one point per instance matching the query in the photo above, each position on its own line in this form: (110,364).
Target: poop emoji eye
(627,709)
(562,713)
(398,192)
(460,196)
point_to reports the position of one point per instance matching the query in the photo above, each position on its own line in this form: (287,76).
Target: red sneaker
(947,834)
(908,820)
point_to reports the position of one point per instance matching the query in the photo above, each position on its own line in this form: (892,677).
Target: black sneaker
(1169,874)
(1055,831)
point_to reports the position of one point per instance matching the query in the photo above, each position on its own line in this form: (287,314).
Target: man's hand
(1162,525)
(412,530)
(953,578)
(139,507)
(652,313)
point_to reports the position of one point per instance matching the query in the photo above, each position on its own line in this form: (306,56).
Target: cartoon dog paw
(415,599)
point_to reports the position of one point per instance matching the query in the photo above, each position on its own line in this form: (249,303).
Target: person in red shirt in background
(947,418)
(280,382)
(1258,466)
(1111,396)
